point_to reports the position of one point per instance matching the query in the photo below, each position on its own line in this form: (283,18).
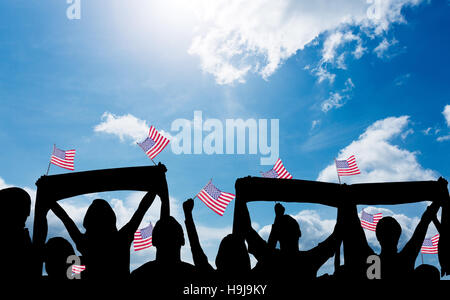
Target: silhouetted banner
(250,189)
(386,193)
(57,187)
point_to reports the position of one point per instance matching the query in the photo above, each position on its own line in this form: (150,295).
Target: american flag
(77,269)
(215,198)
(143,238)
(430,245)
(278,171)
(63,159)
(347,166)
(154,143)
(369,221)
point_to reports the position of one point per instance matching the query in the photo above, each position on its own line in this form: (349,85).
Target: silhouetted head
(388,233)
(15,203)
(100,218)
(57,250)
(232,256)
(289,233)
(426,273)
(168,235)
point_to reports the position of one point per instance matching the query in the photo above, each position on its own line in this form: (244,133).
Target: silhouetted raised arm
(130,228)
(356,248)
(318,255)
(70,225)
(199,257)
(273,236)
(412,247)
(163,193)
(256,245)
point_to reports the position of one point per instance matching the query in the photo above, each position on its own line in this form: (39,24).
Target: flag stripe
(217,201)
(430,245)
(67,162)
(369,221)
(347,167)
(159,143)
(279,170)
(78,269)
(141,243)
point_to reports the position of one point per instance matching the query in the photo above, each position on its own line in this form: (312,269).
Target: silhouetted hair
(167,231)
(17,203)
(388,231)
(57,250)
(289,227)
(426,273)
(99,216)
(232,255)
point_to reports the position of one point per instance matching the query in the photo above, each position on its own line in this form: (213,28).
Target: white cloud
(239,37)
(446,113)
(338,99)
(402,79)
(126,126)
(335,100)
(378,159)
(443,138)
(314,124)
(383,47)
(359,51)
(427,131)
(335,40)
(406,133)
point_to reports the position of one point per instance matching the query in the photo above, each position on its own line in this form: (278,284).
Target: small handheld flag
(77,269)
(278,171)
(154,143)
(143,238)
(62,158)
(369,221)
(215,198)
(346,167)
(430,245)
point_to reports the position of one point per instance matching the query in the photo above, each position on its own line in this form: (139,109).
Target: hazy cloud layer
(239,37)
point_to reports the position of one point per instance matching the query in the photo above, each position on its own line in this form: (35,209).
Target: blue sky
(369,79)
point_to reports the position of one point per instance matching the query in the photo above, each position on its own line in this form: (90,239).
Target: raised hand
(188,206)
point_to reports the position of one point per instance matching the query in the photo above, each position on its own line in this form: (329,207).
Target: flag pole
(421,253)
(337,172)
(50,162)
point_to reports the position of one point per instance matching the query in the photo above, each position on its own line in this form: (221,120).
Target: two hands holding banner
(250,189)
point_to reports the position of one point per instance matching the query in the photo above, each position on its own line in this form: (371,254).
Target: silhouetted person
(287,265)
(167,271)
(16,252)
(232,260)
(57,250)
(105,250)
(394,265)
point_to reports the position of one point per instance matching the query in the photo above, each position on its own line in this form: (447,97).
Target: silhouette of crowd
(105,249)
